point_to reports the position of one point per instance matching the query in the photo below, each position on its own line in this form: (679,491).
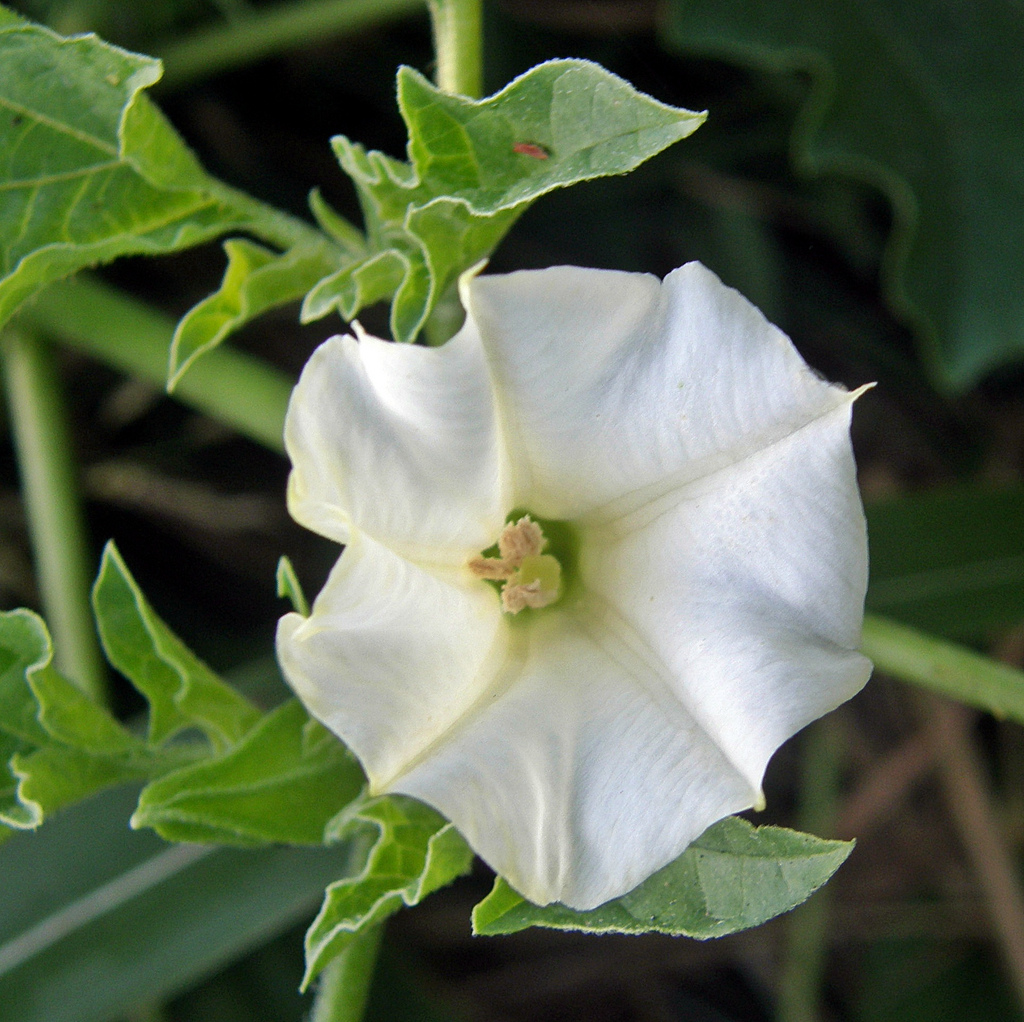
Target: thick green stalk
(272,30)
(345,984)
(458,46)
(947,668)
(56,521)
(237,389)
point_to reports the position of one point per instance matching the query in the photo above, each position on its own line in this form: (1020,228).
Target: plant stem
(458,46)
(268,31)
(799,998)
(345,983)
(56,521)
(944,667)
(237,389)
(273,225)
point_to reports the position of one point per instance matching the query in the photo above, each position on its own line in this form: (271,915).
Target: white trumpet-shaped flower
(677,589)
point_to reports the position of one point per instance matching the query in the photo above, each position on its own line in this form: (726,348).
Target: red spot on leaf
(538,152)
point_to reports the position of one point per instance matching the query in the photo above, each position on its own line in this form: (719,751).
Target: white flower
(696,482)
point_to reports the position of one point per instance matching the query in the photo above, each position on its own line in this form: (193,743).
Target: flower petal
(748,587)
(581,775)
(392,654)
(399,442)
(611,383)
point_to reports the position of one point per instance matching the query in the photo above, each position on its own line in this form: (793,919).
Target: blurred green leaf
(411,851)
(90,168)
(474,166)
(732,877)
(182,691)
(98,919)
(922,100)
(965,580)
(255,280)
(910,980)
(283,782)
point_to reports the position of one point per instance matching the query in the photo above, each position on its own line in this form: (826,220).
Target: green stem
(345,983)
(237,389)
(458,45)
(272,30)
(286,231)
(56,519)
(952,670)
(799,998)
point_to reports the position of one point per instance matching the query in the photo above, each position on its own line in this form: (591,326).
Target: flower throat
(531,577)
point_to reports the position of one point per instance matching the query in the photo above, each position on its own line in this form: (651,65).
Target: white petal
(392,654)
(610,383)
(398,441)
(748,588)
(583,774)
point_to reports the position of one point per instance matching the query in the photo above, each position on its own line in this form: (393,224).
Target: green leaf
(98,919)
(182,691)
(411,852)
(336,226)
(256,280)
(289,587)
(59,745)
(283,782)
(24,647)
(474,166)
(91,169)
(38,705)
(55,776)
(14,814)
(965,580)
(73,719)
(734,876)
(902,980)
(935,126)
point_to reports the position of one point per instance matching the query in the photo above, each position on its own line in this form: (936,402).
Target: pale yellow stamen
(524,539)
(532,579)
(492,568)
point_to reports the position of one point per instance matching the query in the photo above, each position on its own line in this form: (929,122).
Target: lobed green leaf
(54,776)
(935,126)
(733,877)
(89,167)
(25,647)
(15,814)
(411,852)
(56,744)
(282,783)
(474,167)
(256,279)
(182,691)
